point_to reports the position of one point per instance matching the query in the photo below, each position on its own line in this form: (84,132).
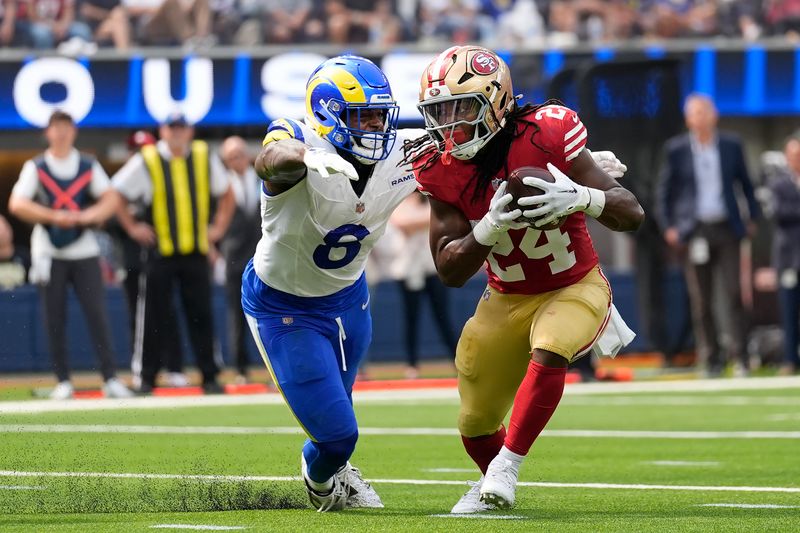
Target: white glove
(561,198)
(327,163)
(497,221)
(609,163)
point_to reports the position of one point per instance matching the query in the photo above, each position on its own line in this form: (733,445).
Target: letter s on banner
(199,72)
(284,78)
(68,72)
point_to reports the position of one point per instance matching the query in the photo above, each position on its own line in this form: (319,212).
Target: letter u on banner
(158,100)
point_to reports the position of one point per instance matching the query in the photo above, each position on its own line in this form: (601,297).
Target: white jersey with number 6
(317,235)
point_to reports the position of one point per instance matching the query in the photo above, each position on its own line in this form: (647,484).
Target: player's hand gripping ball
(518,190)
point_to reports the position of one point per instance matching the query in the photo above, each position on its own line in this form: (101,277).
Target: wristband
(486,233)
(597,202)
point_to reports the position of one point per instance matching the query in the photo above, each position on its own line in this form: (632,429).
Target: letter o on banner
(32,76)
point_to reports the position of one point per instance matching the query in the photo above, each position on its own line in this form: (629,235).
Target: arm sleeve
(663,193)
(283,128)
(100,182)
(28,181)
(562,134)
(747,185)
(218,177)
(130,179)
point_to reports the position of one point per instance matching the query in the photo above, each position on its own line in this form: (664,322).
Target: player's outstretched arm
(588,189)
(458,249)
(280,164)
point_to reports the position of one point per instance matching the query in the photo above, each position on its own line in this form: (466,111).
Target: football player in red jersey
(547,300)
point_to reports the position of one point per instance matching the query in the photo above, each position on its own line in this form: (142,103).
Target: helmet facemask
(461,125)
(366,145)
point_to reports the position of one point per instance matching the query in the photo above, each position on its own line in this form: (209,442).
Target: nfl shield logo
(360,207)
(287,321)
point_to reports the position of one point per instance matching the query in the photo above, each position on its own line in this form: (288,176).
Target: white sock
(322,488)
(515,458)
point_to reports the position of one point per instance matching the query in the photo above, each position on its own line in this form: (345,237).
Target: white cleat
(177,379)
(335,500)
(62,391)
(500,484)
(114,388)
(470,502)
(361,493)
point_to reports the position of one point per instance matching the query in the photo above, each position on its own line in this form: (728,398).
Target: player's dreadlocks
(491,158)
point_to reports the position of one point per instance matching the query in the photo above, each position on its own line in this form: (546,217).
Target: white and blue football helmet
(338,92)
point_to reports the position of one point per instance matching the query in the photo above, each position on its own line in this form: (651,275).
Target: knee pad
(472,424)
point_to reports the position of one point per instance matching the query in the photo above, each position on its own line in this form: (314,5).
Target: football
(518,190)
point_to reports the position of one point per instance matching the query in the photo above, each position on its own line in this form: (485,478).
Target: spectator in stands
(109,22)
(785,188)
(46,23)
(679,18)
(8,20)
(55,191)
(13,264)
(239,243)
(783,18)
(521,24)
(349,21)
(177,179)
(461,22)
(413,268)
(285,20)
(703,172)
(740,18)
(172,22)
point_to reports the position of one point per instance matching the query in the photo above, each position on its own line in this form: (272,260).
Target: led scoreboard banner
(142,91)
(249,89)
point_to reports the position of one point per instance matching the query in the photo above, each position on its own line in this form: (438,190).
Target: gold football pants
(496,344)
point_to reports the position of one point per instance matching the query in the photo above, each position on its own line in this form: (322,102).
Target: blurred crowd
(80,26)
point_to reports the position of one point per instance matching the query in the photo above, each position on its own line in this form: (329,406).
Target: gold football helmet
(465,95)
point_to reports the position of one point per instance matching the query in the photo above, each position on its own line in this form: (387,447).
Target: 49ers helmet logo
(483,63)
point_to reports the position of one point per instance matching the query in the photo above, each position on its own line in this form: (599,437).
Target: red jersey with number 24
(529,260)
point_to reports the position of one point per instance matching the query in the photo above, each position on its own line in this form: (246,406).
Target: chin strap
(447,155)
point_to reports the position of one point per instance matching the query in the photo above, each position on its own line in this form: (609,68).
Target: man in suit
(239,243)
(703,173)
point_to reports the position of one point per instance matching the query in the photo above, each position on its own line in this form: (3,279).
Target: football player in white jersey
(330,184)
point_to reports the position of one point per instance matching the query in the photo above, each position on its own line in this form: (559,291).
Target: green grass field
(589,472)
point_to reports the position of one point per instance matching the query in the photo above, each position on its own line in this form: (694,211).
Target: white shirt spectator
(62,169)
(708,177)
(134,183)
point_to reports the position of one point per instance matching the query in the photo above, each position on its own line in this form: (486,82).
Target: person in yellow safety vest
(189,207)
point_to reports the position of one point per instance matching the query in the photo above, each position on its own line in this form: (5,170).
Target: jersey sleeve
(100,180)
(283,128)
(28,181)
(561,133)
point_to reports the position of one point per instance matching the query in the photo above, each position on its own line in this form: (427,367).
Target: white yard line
(783,417)
(21,487)
(480,516)
(199,526)
(412,395)
(426,431)
(750,505)
(543,484)
(448,470)
(640,400)
(682,463)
